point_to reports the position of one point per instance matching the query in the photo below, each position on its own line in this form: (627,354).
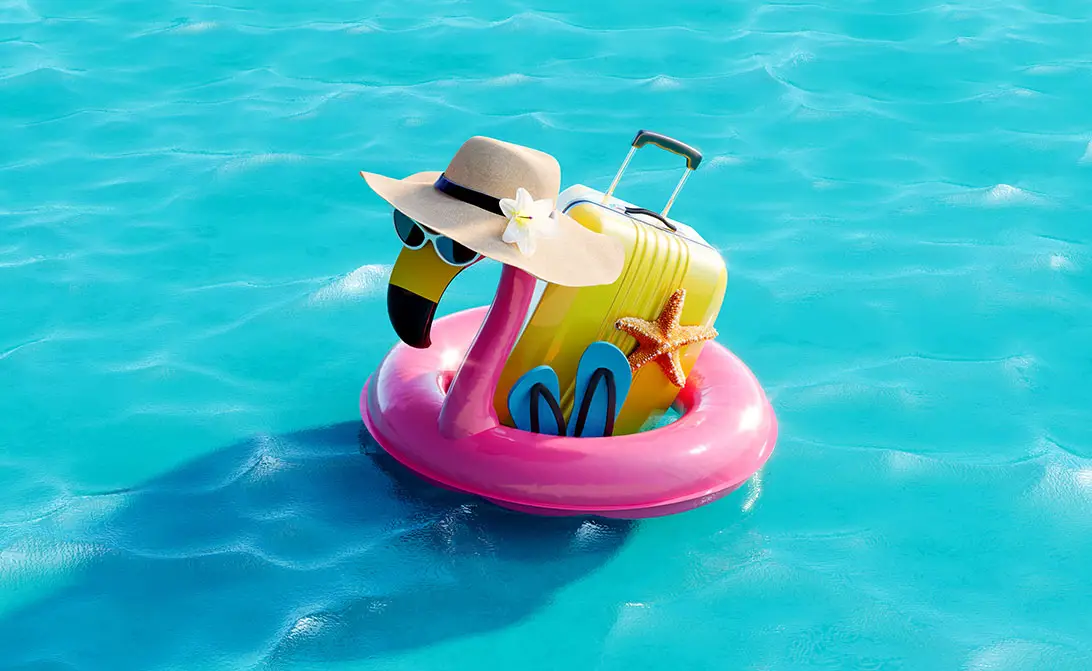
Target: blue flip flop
(533,402)
(603,378)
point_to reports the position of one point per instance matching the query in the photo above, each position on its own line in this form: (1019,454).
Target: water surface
(191,296)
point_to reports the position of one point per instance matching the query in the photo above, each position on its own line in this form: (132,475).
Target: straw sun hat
(498,199)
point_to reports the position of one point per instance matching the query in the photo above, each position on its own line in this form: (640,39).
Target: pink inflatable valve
(602,322)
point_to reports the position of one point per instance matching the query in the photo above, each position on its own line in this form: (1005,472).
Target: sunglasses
(414,236)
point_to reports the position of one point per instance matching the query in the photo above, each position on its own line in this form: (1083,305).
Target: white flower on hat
(527,218)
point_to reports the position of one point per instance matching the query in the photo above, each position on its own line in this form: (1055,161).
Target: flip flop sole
(533,404)
(603,379)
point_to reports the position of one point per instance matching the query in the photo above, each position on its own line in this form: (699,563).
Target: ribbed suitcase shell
(566,320)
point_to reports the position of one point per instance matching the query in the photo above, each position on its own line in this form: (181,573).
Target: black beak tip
(411,316)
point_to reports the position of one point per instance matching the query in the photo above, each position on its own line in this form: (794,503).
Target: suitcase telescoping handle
(645,137)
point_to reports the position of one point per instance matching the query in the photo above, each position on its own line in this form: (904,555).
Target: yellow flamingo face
(417,283)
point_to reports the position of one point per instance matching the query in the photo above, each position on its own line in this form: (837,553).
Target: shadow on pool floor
(308,546)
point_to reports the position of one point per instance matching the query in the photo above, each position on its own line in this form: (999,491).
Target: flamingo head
(420,276)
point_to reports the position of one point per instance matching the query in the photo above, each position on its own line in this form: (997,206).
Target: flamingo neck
(468,408)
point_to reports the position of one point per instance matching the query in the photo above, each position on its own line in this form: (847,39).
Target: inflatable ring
(726,432)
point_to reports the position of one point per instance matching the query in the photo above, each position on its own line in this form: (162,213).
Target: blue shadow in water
(310,546)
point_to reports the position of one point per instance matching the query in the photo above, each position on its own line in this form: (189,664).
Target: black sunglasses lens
(408,231)
(454,253)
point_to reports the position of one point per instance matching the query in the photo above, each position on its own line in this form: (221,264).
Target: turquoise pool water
(192,294)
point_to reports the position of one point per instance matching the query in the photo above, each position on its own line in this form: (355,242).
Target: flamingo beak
(418,280)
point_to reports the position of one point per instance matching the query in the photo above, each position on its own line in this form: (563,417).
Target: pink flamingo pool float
(431,402)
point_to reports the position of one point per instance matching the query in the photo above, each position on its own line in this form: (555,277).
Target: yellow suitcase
(662,255)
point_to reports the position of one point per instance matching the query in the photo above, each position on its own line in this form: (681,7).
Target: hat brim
(575,256)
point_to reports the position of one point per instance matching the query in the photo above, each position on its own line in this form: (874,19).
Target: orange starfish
(661,340)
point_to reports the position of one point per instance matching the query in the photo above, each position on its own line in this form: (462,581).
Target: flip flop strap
(589,392)
(541,391)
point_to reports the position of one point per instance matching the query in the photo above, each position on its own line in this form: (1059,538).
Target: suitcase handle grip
(645,137)
(654,215)
(692,155)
